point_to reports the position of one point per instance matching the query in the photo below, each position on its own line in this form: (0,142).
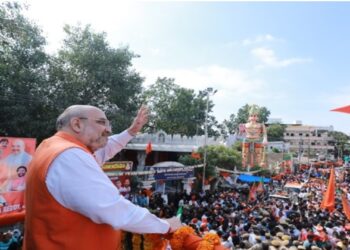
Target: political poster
(15,155)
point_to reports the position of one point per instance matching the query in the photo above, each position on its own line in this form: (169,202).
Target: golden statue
(255,140)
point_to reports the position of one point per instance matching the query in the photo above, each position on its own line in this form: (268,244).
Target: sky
(291,57)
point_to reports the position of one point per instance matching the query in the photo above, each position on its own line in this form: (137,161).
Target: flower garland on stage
(184,238)
(178,238)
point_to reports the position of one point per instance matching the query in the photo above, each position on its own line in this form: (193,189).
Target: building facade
(309,141)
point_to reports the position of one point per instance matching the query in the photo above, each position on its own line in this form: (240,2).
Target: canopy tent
(252,178)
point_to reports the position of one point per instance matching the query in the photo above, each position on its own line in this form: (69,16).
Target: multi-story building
(309,141)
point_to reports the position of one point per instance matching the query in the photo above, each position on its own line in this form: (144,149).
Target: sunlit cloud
(268,58)
(222,78)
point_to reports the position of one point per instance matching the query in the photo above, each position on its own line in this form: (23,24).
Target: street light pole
(208,91)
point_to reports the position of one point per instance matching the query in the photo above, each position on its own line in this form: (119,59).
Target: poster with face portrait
(15,155)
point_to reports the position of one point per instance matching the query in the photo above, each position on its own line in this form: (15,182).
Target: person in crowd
(70,201)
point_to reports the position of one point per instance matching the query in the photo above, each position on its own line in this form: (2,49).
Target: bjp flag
(196,155)
(346,208)
(149,148)
(328,201)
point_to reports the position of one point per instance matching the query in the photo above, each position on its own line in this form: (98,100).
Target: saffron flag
(196,155)
(346,207)
(345,109)
(328,201)
(252,192)
(149,148)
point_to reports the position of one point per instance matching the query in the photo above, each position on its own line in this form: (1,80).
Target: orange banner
(15,155)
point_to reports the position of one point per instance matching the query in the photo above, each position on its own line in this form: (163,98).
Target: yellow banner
(117,166)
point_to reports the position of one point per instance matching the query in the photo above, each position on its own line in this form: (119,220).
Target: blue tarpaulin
(252,178)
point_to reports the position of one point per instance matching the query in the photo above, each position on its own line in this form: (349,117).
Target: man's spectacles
(103,122)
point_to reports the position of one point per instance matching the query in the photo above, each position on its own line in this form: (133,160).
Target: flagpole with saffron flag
(346,207)
(328,201)
(149,148)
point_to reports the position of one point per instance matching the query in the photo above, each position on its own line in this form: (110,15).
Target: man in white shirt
(76,181)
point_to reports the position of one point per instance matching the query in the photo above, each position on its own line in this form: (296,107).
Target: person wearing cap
(70,198)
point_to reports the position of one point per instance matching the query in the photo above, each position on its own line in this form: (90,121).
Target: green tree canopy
(341,140)
(89,71)
(231,125)
(178,110)
(217,156)
(23,75)
(275,132)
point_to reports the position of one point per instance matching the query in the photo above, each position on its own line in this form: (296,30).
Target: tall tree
(217,156)
(23,75)
(340,140)
(229,126)
(89,71)
(178,110)
(232,124)
(275,132)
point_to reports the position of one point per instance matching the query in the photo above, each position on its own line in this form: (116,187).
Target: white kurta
(76,180)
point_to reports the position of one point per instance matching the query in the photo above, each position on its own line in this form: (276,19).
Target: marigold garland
(210,240)
(154,241)
(136,241)
(177,239)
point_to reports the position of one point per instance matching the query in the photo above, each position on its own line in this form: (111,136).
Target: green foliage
(88,71)
(23,75)
(229,126)
(275,132)
(217,156)
(187,160)
(178,110)
(242,116)
(275,150)
(341,140)
(35,87)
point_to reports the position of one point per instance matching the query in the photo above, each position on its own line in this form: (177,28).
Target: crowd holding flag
(328,201)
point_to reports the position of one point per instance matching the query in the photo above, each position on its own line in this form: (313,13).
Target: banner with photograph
(15,155)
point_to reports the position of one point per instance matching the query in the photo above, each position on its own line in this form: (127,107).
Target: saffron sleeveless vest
(49,225)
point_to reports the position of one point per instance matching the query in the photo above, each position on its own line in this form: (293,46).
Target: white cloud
(215,76)
(259,39)
(268,58)
(235,87)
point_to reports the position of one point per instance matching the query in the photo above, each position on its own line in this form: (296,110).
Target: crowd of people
(293,222)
